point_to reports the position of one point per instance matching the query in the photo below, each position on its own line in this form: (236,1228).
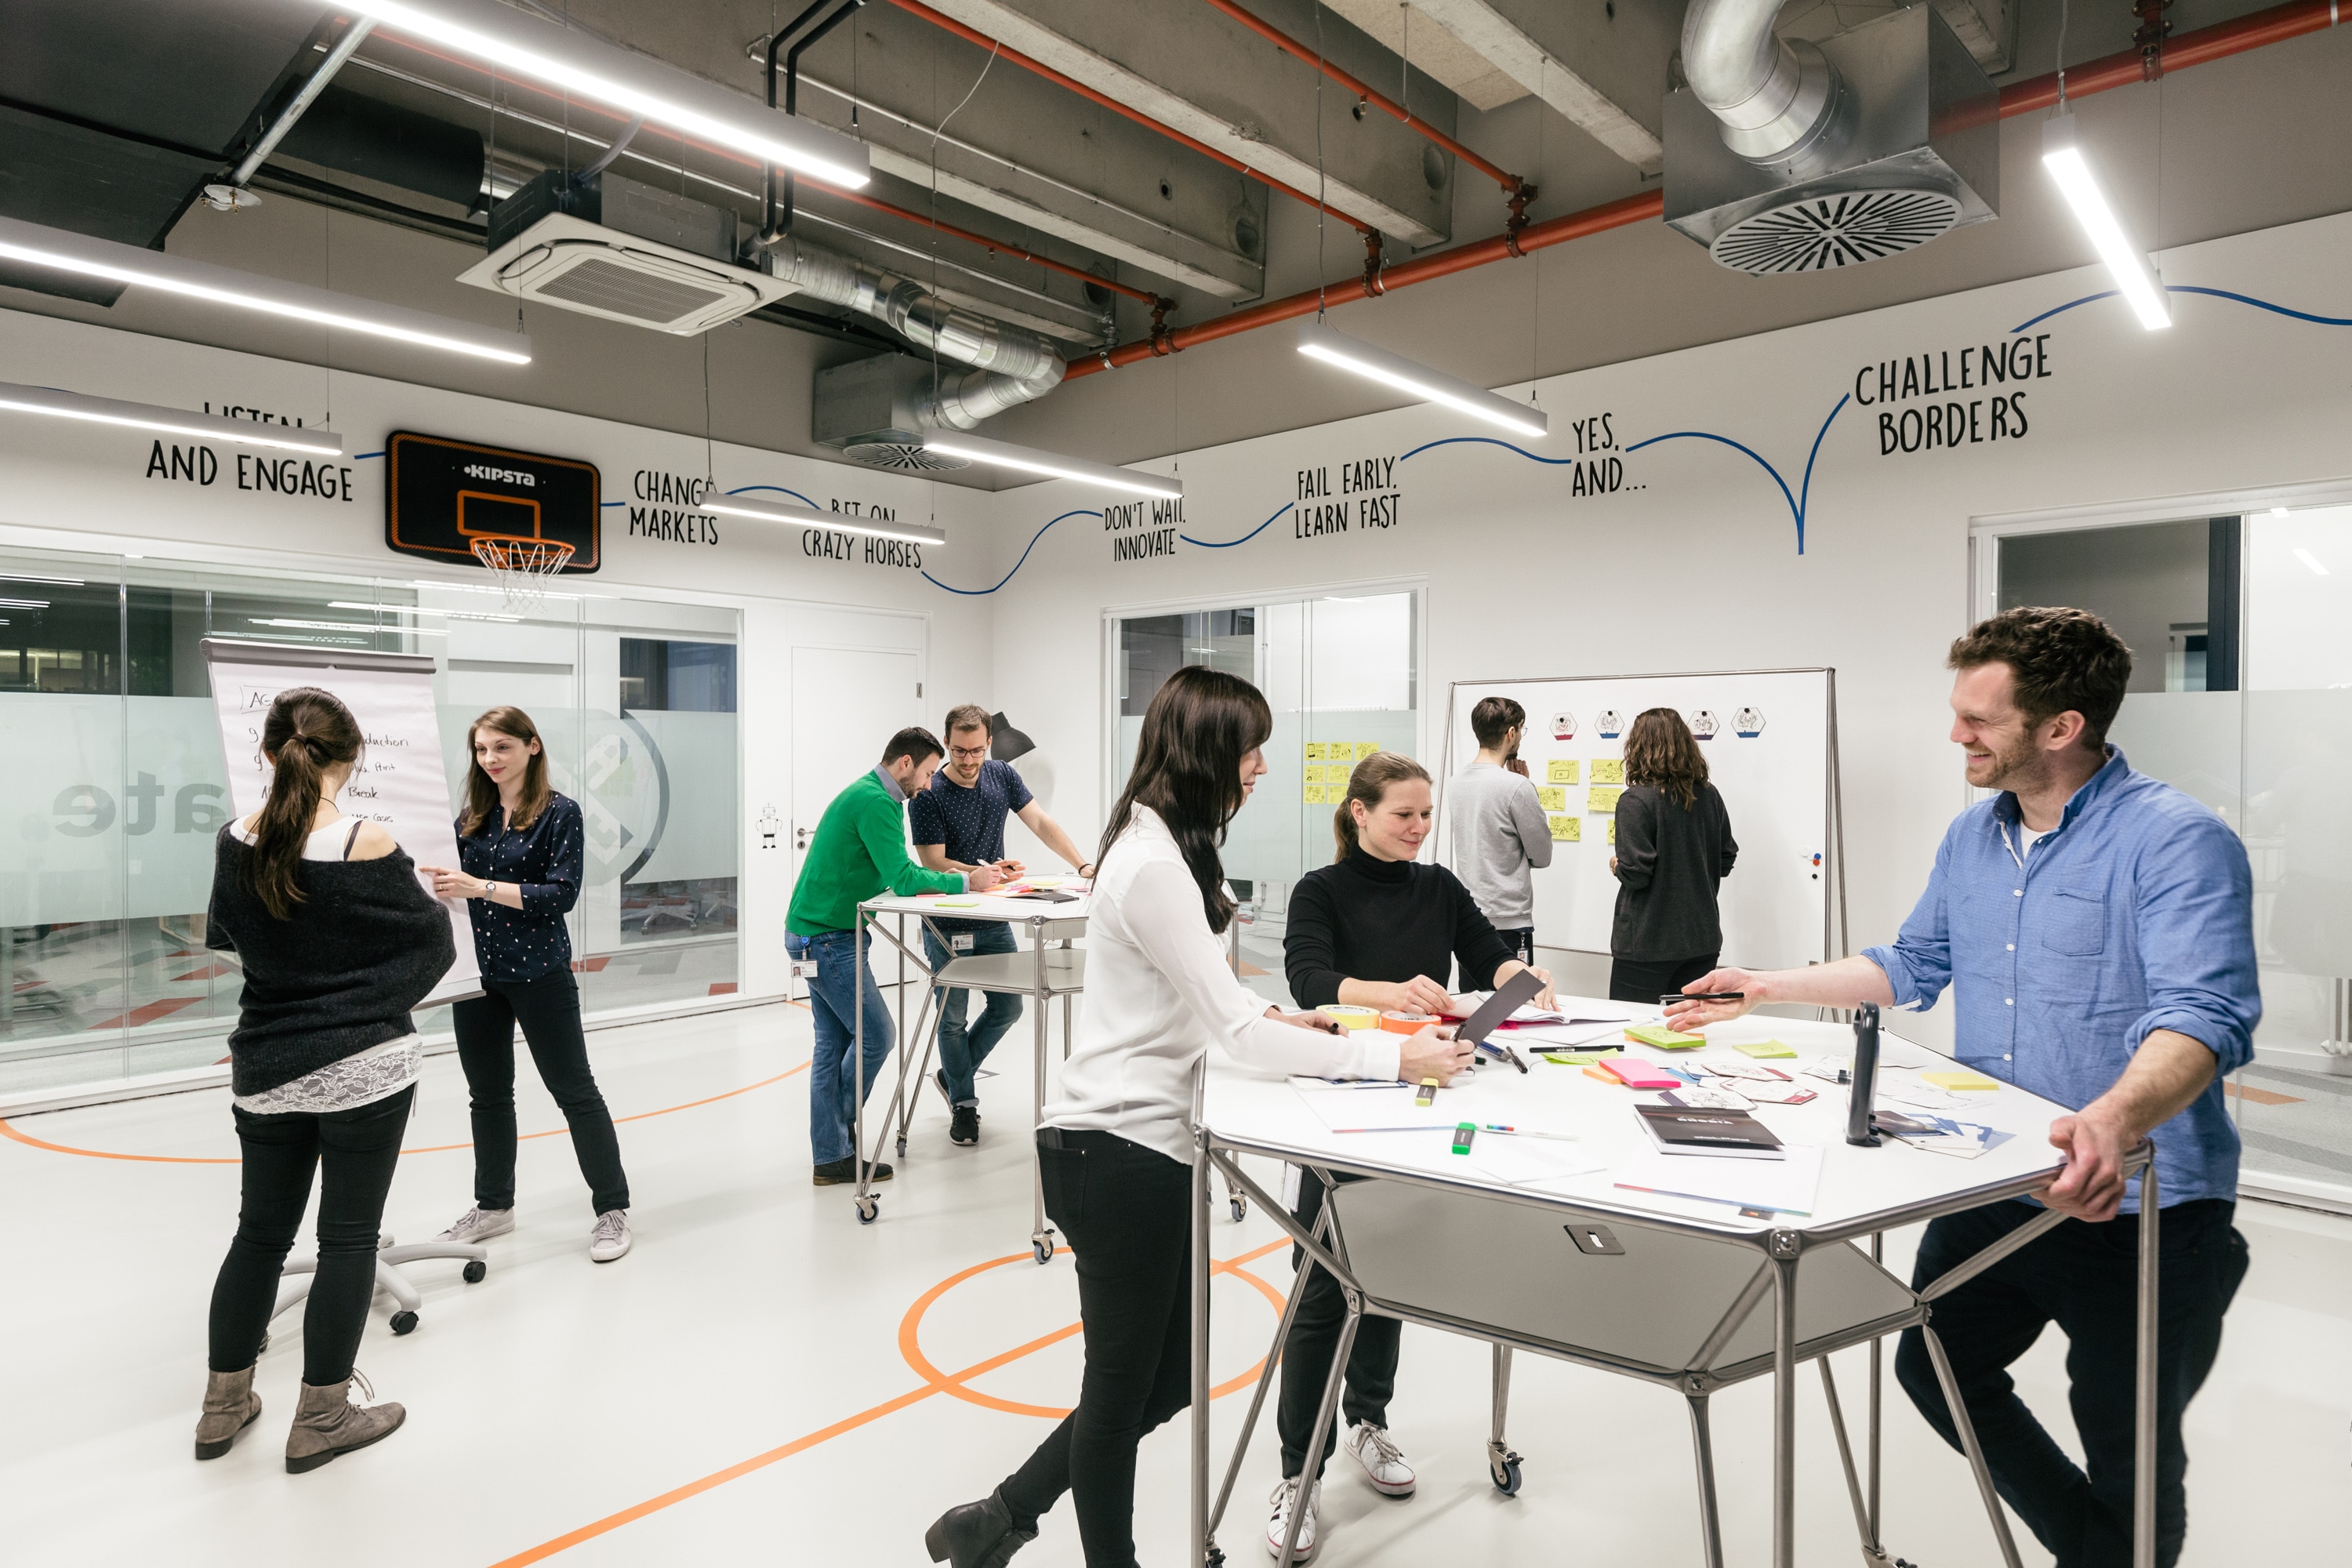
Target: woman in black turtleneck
(1375,929)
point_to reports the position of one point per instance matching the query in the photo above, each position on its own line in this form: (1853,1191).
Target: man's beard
(2016,766)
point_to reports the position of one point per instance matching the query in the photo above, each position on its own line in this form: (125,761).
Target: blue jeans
(962,1049)
(831,1007)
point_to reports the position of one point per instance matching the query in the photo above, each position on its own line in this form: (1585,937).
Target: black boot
(977,1534)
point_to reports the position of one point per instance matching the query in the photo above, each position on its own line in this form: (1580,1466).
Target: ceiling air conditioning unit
(623,250)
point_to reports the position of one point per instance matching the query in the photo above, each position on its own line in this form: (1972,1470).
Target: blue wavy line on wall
(975,592)
(1244,539)
(2194,288)
(1798,500)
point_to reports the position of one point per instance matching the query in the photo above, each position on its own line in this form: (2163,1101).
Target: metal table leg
(1041,1237)
(1968,1431)
(868,1204)
(1501,1463)
(1710,1517)
(1265,1382)
(1877,1349)
(1203,1547)
(1324,1415)
(1784,1399)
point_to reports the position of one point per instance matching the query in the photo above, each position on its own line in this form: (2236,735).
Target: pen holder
(1858,1128)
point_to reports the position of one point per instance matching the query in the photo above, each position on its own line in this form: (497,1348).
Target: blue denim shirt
(2136,913)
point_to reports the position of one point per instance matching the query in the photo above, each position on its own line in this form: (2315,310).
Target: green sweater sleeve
(884,833)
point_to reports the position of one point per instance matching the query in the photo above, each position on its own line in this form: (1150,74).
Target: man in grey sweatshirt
(1500,834)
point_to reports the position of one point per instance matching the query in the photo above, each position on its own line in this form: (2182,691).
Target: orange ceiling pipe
(2120,69)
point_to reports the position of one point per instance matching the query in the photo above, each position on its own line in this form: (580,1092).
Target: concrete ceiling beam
(1531,41)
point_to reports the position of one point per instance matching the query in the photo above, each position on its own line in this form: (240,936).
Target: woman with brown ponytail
(338,939)
(1374,929)
(1674,847)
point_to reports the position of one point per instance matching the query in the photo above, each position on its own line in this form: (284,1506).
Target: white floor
(741,1388)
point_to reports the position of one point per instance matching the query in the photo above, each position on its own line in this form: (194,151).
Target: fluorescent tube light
(2062,154)
(418,610)
(1052,465)
(84,257)
(2278,511)
(343,626)
(1320,342)
(24,604)
(30,577)
(171,421)
(2308,559)
(526,46)
(808,516)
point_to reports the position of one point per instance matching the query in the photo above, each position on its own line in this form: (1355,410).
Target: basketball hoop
(522,567)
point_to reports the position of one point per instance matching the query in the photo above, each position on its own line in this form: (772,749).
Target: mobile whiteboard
(399,782)
(1771,741)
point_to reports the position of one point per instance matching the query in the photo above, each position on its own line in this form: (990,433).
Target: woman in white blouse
(1117,1145)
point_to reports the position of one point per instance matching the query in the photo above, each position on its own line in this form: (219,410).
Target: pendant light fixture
(809,517)
(1050,465)
(2062,154)
(60,250)
(517,43)
(57,404)
(1318,342)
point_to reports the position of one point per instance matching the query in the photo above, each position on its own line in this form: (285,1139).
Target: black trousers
(357,1151)
(1315,1339)
(2084,1279)
(1521,940)
(1127,1212)
(548,1008)
(1645,980)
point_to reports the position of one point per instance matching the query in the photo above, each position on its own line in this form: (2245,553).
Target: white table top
(981,906)
(1265,1113)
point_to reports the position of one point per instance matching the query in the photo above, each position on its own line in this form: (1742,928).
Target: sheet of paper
(1520,1162)
(1388,1108)
(1556,1035)
(1785,1185)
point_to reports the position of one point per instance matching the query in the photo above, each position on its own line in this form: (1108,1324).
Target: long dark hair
(482,795)
(1660,749)
(1188,768)
(308,732)
(1370,783)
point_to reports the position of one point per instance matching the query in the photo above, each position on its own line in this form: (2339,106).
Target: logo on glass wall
(442,496)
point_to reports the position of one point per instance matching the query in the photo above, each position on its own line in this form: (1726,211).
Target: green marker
(1462,1136)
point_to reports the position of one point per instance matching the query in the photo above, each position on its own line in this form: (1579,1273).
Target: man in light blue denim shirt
(2095,929)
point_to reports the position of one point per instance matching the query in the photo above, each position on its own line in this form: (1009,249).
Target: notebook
(1675,1130)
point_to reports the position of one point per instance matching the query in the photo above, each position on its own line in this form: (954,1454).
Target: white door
(846,704)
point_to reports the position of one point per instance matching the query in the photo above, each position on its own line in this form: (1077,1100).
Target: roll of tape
(1407,1022)
(1352,1017)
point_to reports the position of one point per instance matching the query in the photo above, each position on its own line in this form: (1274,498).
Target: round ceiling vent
(1842,228)
(901,454)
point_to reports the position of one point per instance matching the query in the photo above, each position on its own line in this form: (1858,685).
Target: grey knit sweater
(336,977)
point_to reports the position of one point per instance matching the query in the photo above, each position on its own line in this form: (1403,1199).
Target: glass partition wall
(1340,670)
(2241,695)
(115,785)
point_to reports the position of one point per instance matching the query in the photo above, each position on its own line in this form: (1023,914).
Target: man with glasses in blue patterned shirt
(958,825)
(2095,928)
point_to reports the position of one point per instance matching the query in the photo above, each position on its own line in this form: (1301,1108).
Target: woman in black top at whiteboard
(1674,847)
(520,844)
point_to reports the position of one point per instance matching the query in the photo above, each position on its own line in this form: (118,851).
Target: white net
(522,567)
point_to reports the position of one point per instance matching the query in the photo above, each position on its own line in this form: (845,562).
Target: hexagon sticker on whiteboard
(1747,723)
(1703,724)
(1608,725)
(1563,726)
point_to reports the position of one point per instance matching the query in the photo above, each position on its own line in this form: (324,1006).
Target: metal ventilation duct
(1778,166)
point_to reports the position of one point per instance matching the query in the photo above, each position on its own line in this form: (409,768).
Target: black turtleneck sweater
(1366,918)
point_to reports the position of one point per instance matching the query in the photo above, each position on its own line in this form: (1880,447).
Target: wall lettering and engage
(197,463)
(1930,417)
(1143,529)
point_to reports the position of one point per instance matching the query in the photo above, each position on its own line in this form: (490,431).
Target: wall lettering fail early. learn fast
(1366,497)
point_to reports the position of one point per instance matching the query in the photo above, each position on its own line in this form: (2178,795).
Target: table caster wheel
(902,1148)
(472,1273)
(868,1208)
(1042,1248)
(1240,1205)
(404,1323)
(1503,1466)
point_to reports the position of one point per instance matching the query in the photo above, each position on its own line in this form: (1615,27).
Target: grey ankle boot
(230,1406)
(977,1534)
(328,1423)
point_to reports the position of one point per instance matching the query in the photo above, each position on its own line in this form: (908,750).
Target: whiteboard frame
(1836,941)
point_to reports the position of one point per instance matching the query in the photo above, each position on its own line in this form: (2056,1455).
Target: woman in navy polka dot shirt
(520,847)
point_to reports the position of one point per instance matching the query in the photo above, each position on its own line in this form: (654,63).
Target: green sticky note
(1572,1059)
(1665,1040)
(1764,1050)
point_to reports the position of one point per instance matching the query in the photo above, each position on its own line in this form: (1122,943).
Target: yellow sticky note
(1612,830)
(1314,795)
(1316,751)
(1566,829)
(1960,1080)
(1561,771)
(1601,797)
(1609,769)
(1551,798)
(1365,749)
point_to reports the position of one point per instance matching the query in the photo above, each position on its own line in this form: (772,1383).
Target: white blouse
(1160,991)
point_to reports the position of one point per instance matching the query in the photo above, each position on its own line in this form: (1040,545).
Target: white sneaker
(478,1224)
(610,1240)
(1279,1525)
(1383,1461)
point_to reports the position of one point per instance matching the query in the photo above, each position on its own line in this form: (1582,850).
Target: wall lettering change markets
(668,510)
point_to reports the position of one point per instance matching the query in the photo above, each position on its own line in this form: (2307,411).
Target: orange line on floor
(640,1116)
(653,1505)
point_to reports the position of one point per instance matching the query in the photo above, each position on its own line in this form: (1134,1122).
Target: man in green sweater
(858,853)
